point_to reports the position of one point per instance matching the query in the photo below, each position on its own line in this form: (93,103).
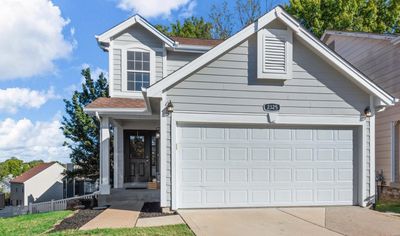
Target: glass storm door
(138,153)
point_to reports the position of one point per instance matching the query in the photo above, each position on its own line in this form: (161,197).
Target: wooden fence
(56,205)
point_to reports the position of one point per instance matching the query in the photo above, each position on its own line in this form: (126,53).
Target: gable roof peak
(304,35)
(104,39)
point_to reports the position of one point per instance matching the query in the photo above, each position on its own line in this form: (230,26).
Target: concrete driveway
(291,221)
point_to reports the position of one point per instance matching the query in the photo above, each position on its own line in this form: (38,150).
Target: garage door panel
(223,167)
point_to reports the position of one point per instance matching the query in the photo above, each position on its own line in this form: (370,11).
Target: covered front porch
(129,149)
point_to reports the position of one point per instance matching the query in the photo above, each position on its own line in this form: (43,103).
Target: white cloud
(31,141)
(188,11)
(155,8)
(31,38)
(13,99)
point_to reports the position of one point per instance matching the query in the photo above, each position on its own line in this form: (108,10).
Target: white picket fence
(56,205)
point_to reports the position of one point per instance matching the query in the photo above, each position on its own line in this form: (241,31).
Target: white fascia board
(336,60)
(156,89)
(113,111)
(106,36)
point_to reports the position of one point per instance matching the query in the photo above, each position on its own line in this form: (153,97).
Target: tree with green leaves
(192,27)
(14,167)
(377,16)
(82,130)
(227,18)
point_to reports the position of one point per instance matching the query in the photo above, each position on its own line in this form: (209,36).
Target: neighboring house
(39,184)
(378,57)
(269,117)
(77,186)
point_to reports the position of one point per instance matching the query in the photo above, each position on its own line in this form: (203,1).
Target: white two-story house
(269,117)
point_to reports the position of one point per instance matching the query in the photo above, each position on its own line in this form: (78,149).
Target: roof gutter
(112,111)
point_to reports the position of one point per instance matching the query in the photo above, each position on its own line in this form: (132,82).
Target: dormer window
(138,70)
(274,54)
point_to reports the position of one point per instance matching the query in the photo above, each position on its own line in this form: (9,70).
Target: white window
(274,54)
(138,70)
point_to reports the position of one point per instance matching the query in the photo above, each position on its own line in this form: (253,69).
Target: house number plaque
(270,107)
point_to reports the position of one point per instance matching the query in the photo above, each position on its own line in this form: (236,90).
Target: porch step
(129,195)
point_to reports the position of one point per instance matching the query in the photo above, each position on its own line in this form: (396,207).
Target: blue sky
(49,43)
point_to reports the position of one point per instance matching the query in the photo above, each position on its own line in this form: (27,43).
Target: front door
(138,155)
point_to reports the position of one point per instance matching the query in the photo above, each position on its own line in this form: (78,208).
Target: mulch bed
(153,209)
(80,218)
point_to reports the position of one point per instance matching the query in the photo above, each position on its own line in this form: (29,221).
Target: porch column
(118,155)
(104,156)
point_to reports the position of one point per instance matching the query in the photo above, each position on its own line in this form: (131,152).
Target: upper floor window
(138,70)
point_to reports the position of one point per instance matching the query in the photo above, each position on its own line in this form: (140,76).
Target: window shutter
(274,54)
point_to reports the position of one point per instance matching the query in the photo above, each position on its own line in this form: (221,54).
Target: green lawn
(173,230)
(30,224)
(40,223)
(388,206)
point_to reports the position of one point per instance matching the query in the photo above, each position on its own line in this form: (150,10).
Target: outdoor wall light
(170,107)
(157,132)
(367,112)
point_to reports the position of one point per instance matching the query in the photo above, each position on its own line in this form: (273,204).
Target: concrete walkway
(159,221)
(119,215)
(291,221)
(125,214)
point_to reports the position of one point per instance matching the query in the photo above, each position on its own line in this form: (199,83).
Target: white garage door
(240,167)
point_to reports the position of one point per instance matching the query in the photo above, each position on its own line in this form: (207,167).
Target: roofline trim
(105,37)
(112,110)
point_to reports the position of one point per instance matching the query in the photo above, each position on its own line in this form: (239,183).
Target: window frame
(124,62)
(136,71)
(287,36)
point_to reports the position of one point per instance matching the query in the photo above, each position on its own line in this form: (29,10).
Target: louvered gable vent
(274,55)
(274,59)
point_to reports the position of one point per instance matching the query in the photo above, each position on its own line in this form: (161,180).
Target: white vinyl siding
(117,69)
(229,84)
(176,60)
(239,167)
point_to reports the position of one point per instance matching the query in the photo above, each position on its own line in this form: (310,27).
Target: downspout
(97,115)
(146,100)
